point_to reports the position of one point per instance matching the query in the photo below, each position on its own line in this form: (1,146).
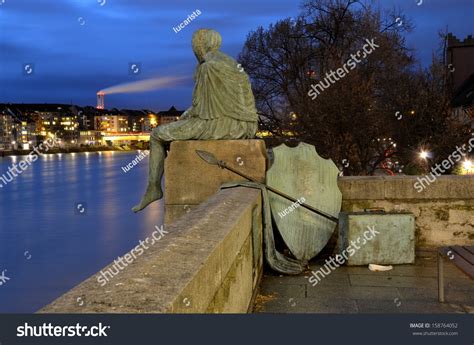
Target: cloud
(73,61)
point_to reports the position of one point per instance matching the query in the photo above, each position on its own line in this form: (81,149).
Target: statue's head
(205,41)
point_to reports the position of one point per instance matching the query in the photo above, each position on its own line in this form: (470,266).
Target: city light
(424,154)
(153,120)
(124,128)
(468,167)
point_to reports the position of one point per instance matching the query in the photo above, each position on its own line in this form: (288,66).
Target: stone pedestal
(190,181)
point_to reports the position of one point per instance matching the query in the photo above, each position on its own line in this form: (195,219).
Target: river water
(65,218)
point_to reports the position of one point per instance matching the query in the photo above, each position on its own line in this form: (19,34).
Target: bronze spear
(211,159)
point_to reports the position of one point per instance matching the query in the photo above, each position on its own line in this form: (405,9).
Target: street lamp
(467,165)
(424,154)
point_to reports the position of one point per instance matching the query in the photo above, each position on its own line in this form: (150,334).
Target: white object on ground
(379,268)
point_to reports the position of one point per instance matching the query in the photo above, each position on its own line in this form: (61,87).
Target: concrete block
(391,242)
(403,187)
(362,187)
(190,181)
(444,187)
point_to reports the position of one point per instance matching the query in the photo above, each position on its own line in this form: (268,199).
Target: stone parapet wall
(209,261)
(444,210)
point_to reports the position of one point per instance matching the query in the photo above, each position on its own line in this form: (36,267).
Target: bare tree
(386,96)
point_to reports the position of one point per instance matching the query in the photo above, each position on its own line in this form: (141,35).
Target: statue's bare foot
(151,195)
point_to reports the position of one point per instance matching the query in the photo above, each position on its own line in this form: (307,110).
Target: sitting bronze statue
(223,107)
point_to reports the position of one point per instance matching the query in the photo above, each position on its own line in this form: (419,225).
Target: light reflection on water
(39,218)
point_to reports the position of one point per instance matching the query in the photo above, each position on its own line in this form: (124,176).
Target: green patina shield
(301,173)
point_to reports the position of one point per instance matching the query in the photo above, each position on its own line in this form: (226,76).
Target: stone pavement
(405,289)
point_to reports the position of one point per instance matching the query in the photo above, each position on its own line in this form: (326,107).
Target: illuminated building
(112,123)
(169,116)
(17,129)
(6,127)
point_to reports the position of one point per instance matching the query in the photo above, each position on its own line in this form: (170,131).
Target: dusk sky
(78,47)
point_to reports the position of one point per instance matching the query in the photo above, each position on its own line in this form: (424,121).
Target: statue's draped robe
(223,104)
(222,89)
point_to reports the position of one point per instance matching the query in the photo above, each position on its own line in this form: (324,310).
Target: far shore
(68,150)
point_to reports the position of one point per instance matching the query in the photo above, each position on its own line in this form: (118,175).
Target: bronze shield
(301,173)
